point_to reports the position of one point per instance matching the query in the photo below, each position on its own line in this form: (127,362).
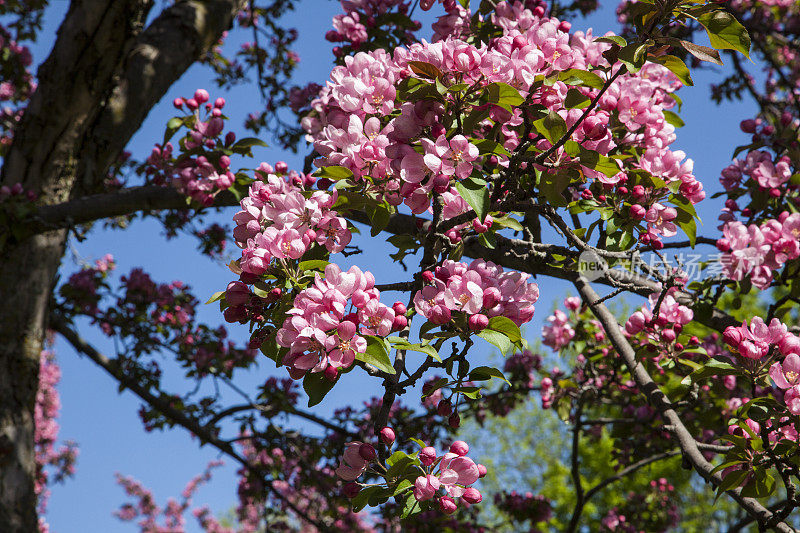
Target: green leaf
(316,386)
(725,32)
(714,367)
(703,53)
(612,39)
(473,393)
(362,498)
(500,340)
(380,219)
(505,326)
(585,78)
(173,125)
(401,487)
(334,173)
(377,354)
(673,118)
(552,127)
(411,507)
(761,486)
(634,56)
(488,146)
(426,70)
(485,373)
(476,194)
(676,66)
(553,185)
(402,344)
(508,222)
(219,295)
(313,264)
(504,95)
(248,142)
(576,99)
(731,481)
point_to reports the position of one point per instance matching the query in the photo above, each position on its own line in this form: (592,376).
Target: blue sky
(105,423)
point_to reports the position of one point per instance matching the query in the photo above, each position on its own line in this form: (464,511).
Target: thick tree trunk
(95,89)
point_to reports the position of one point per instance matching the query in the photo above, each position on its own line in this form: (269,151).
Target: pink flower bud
(638,211)
(219,103)
(732,336)
(387,436)
(478,322)
(519,42)
(399,308)
(668,335)
(351,490)
(399,323)
(178,103)
(346,329)
(481,470)
(440,315)
(459,447)
(723,245)
(564,26)
(472,496)
(330,373)
(275,294)
(427,276)
(478,227)
(230,138)
(444,408)
(360,298)
(447,505)
(237,293)
(235,313)
(367,452)
(491,297)
(748,126)
(281,167)
(201,96)
(191,103)
(789,344)
(427,455)
(454,421)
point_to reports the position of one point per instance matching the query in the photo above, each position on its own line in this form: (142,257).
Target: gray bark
(101,79)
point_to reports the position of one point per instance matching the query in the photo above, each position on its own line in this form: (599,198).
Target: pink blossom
(453,157)
(786,374)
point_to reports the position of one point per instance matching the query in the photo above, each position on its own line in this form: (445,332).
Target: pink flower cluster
(769,173)
(278,221)
(757,251)
(557,332)
(402,150)
(357,456)
(52,463)
(480,290)
(360,16)
(201,170)
(786,376)
(456,472)
(663,330)
(757,340)
(325,328)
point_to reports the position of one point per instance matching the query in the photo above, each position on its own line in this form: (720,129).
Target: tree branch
(661,402)
(201,432)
